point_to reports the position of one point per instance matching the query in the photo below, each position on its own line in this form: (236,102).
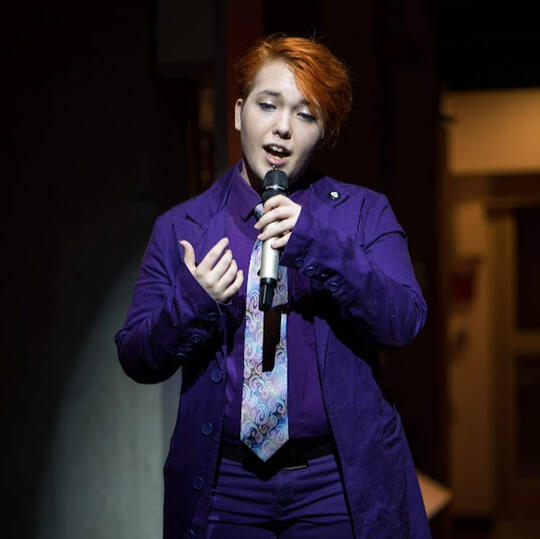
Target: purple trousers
(307,503)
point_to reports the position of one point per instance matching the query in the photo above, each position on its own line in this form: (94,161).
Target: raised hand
(217,273)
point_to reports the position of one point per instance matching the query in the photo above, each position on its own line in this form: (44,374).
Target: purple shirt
(307,416)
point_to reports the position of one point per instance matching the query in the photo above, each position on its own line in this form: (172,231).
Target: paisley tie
(264,423)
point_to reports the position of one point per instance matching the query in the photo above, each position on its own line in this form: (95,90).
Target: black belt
(295,454)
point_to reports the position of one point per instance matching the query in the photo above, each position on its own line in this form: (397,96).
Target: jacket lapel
(204,223)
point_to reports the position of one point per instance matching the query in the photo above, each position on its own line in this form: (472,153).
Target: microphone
(275,183)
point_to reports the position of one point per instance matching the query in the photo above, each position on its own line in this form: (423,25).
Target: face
(277,128)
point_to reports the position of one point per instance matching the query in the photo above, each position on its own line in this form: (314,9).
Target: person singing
(282,429)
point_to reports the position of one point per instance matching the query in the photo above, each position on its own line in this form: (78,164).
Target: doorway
(515,240)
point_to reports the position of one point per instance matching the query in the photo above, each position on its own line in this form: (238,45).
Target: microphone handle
(268,272)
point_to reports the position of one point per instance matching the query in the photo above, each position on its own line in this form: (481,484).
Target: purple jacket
(364,293)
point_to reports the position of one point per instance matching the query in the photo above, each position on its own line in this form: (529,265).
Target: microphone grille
(275,182)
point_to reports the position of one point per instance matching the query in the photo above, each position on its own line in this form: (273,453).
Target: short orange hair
(321,77)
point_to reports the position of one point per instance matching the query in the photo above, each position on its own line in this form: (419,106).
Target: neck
(250,178)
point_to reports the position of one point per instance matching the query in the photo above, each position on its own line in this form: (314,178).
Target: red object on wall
(462,281)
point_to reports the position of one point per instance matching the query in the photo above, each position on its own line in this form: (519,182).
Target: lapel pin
(333,195)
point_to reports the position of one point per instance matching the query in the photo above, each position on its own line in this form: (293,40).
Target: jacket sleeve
(170,316)
(366,269)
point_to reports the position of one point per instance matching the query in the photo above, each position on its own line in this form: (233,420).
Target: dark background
(104,133)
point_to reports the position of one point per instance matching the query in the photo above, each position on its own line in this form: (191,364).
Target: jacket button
(212,317)
(298,262)
(198,483)
(196,338)
(333,286)
(180,355)
(189,534)
(188,347)
(310,271)
(216,376)
(323,276)
(207,428)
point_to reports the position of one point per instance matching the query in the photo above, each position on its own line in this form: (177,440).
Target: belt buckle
(297,467)
(298,457)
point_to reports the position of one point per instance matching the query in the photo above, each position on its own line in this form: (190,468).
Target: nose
(282,127)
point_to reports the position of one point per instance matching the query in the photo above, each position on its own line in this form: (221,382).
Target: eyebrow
(269,92)
(273,93)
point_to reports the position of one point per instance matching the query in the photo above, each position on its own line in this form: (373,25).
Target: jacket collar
(205,206)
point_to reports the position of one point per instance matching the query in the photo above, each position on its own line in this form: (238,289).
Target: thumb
(189,254)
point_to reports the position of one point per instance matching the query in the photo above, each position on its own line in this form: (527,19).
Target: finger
(281,242)
(221,267)
(189,255)
(276,214)
(212,256)
(275,201)
(278,228)
(228,277)
(234,287)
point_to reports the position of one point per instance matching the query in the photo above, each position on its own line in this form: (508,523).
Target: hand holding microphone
(279,218)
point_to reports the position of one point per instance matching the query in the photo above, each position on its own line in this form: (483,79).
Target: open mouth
(276,155)
(276,150)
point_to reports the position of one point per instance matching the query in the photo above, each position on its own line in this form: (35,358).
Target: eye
(307,116)
(266,106)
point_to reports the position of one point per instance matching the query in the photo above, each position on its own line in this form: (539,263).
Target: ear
(238,114)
